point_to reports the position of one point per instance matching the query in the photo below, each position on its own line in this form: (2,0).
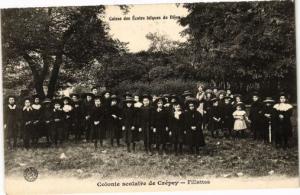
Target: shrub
(176,86)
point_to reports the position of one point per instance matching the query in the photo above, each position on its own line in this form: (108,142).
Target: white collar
(282,106)
(27,108)
(138,104)
(36,106)
(12,107)
(159,109)
(67,108)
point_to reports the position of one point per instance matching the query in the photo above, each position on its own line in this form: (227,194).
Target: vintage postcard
(150,98)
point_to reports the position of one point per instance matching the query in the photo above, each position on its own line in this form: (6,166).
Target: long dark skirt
(114,130)
(161,136)
(11,130)
(97,132)
(147,136)
(27,135)
(131,136)
(57,132)
(177,136)
(36,130)
(195,138)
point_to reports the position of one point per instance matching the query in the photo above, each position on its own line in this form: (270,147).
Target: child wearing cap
(255,115)
(57,124)
(113,121)
(47,119)
(77,117)
(145,123)
(193,126)
(97,120)
(87,107)
(176,126)
(227,111)
(267,120)
(207,104)
(215,119)
(129,123)
(159,125)
(240,118)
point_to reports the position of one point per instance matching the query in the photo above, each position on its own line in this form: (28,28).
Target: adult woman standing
(282,118)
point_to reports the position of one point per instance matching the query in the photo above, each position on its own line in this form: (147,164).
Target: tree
(48,38)
(161,43)
(246,45)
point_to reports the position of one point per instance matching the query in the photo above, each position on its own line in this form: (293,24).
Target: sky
(134,31)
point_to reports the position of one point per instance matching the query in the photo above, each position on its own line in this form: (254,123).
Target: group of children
(159,121)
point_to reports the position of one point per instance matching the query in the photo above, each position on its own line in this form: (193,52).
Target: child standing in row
(240,118)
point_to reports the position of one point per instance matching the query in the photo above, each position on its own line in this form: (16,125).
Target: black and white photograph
(149,97)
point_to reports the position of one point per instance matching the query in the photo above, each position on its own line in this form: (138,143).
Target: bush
(176,86)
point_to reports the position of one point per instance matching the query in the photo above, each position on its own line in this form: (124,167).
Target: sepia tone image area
(159,97)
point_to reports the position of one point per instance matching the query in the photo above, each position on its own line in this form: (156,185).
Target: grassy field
(220,158)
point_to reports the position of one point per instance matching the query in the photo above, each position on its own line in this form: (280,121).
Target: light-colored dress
(239,120)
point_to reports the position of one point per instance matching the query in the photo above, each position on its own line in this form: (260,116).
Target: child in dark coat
(227,111)
(267,120)
(255,116)
(159,125)
(176,126)
(97,119)
(67,109)
(76,117)
(129,123)
(193,126)
(57,124)
(114,121)
(145,123)
(36,117)
(47,119)
(11,118)
(215,119)
(27,121)
(87,107)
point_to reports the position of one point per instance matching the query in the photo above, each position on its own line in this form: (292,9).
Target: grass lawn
(220,158)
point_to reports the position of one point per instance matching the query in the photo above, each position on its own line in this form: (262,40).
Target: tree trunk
(54,76)
(37,79)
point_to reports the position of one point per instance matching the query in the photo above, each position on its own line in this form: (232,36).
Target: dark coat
(57,118)
(227,111)
(27,127)
(11,118)
(194,137)
(176,126)
(145,123)
(98,130)
(207,104)
(160,123)
(37,121)
(267,121)
(77,114)
(129,119)
(87,108)
(283,126)
(46,120)
(57,130)
(214,112)
(27,116)
(114,124)
(255,113)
